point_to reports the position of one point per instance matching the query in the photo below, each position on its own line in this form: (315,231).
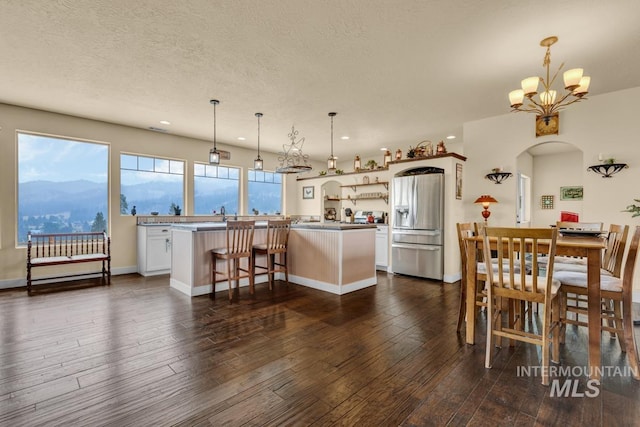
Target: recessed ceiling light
(384,149)
(241,138)
(165,122)
(344,137)
(451,137)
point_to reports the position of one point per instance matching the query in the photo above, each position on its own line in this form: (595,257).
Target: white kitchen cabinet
(382,247)
(154,249)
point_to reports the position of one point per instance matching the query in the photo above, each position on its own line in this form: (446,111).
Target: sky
(54,159)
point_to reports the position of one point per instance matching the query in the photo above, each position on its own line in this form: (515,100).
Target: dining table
(589,247)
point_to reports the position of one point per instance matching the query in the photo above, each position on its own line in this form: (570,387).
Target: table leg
(471,290)
(594,310)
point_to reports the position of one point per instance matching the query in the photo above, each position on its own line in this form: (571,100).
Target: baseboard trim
(22,282)
(331,288)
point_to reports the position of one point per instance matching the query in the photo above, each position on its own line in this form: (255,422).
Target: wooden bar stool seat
(277,243)
(239,239)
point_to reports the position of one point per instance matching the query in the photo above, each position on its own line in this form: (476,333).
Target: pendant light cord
(258,115)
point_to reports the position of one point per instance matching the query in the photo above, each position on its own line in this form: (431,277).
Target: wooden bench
(68,248)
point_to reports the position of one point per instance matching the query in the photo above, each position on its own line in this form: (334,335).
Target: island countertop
(213,226)
(332,257)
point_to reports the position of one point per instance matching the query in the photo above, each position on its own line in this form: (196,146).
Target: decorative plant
(339,171)
(610,161)
(634,209)
(323,173)
(175,209)
(371,164)
(496,170)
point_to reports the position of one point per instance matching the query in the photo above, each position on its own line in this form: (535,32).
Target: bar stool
(239,236)
(277,243)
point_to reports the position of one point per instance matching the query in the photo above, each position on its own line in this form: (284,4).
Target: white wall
(605,124)
(552,172)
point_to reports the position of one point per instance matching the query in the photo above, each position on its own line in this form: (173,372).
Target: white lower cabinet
(154,249)
(382,247)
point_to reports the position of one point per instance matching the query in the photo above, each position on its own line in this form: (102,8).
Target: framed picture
(571,193)
(459,181)
(307,192)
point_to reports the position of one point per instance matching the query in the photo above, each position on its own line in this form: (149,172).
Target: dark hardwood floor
(138,353)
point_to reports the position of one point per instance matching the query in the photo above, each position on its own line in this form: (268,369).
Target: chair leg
(555,329)
(271,259)
(618,324)
(229,280)
(488,360)
(212,270)
(627,325)
(562,303)
(283,256)
(612,309)
(252,274)
(252,277)
(463,304)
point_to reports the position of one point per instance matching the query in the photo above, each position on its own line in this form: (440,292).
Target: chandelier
(292,160)
(548,103)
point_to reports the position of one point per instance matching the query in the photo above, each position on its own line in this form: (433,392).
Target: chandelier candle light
(258,164)
(548,104)
(214,154)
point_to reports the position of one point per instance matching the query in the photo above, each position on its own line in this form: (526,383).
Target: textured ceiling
(396,71)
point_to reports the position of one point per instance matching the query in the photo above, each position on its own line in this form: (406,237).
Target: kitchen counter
(331,226)
(212,226)
(332,257)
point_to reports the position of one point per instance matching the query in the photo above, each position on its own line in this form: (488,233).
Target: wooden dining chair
(618,290)
(574,298)
(239,244)
(467,229)
(276,244)
(512,247)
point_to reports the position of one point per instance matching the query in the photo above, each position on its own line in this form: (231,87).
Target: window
(151,184)
(215,187)
(265,192)
(62,185)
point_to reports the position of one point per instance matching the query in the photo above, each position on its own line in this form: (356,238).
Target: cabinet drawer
(158,231)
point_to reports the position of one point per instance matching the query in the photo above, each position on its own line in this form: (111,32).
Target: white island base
(336,258)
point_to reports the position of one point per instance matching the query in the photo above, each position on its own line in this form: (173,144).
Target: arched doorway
(542,170)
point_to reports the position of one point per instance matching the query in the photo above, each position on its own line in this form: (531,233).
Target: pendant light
(331,162)
(258,164)
(214,154)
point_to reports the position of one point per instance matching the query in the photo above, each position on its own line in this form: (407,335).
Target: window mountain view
(61,207)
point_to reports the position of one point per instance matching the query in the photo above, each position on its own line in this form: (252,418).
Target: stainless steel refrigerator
(418,223)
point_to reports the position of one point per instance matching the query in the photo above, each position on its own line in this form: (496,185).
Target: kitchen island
(332,257)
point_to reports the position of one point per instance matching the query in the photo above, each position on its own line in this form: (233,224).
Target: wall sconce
(485,200)
(608,169)
(497,176)
(356,164)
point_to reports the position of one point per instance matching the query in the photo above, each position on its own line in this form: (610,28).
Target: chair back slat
(513,247)
(278,234)
(629,265)
(613,254)
(240,236)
